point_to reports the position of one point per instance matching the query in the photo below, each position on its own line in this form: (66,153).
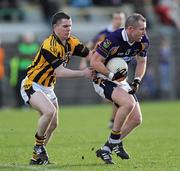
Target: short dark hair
(133,20)
(59,16)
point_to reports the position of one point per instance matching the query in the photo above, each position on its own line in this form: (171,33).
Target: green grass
(155,146)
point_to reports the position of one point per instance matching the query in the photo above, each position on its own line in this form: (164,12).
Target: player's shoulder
(145,39)
(51,45)
(49,41)
(104,32)
(74,40)
(115,36)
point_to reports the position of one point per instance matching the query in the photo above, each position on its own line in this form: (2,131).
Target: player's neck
(63,41)
(130,40)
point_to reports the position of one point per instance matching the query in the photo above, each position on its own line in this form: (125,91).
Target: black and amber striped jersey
(52,54)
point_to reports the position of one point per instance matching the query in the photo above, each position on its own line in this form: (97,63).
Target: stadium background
(25,16)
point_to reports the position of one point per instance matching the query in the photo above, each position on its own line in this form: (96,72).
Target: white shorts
(106,87)
(49,91)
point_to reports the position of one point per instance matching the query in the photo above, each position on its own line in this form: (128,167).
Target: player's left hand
(135,86)
(119,75)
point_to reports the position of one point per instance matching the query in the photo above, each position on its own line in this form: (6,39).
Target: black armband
(81,50)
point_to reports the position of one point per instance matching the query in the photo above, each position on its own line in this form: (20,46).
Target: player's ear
(54,25)
(130,28)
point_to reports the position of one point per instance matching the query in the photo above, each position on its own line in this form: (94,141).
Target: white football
(116,64)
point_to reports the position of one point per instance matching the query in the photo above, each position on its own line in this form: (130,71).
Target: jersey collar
(58,40)
(125,37)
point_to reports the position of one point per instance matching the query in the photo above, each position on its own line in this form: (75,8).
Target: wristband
(137,78)
(110,75)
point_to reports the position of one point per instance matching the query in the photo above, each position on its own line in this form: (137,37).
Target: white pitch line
(6,166)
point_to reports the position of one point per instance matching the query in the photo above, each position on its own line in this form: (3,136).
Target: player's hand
(88,73)
(135,86)
(118,75)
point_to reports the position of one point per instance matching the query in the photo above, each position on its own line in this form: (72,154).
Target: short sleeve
(79,49)
(104,47)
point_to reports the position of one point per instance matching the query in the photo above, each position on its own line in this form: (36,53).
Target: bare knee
(137,121)
(49,112)
(54,124)
(129,106)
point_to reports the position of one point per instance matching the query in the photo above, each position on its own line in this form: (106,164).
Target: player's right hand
(120,75)
(135,86)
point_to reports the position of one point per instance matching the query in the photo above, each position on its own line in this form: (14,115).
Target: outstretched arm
(68,73)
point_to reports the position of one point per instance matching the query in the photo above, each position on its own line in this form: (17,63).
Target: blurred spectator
(107,2)
(10,10)
(27,48)
(146,8)
(164,67)
(168,12)
(149,87)
(1,74)
(81,3)
(49,8)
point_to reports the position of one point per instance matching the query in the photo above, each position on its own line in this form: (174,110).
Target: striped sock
(39,140)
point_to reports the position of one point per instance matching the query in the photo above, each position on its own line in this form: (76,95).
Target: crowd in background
(162,15)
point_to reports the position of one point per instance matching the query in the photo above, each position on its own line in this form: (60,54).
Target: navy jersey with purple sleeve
(116,44)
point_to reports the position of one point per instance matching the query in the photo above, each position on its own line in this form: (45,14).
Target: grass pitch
(154,146)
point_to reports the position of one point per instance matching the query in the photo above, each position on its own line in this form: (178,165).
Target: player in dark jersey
(37,88)
(123,43)
(118,21)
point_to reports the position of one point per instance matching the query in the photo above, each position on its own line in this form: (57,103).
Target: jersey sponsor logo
(113,50)
(106,43)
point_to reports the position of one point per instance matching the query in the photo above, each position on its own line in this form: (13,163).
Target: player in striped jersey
(37,88)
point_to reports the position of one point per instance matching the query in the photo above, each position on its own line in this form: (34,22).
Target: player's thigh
(122,97)
(41,102)
(136,114)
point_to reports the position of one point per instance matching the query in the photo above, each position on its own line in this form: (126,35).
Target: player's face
(63,28)
(118,20)
(138,32)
